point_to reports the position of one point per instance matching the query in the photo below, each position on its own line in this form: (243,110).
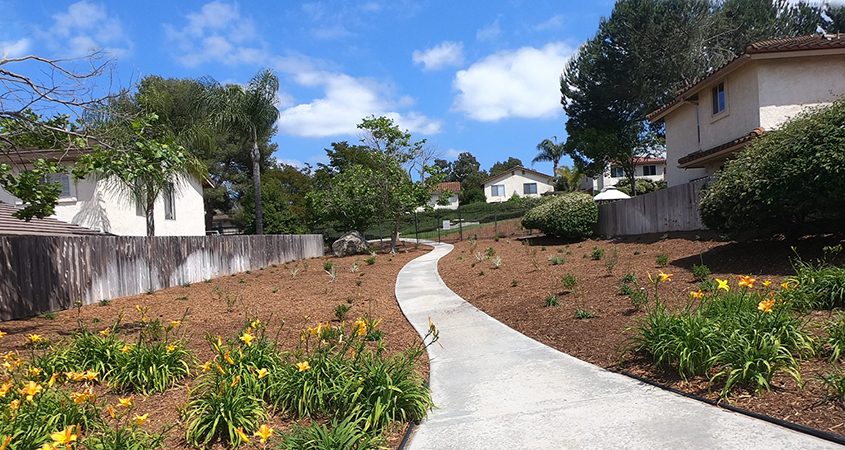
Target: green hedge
(568,216)
(789,177)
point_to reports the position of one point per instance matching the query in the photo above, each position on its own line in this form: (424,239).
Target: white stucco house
(517,181)
(651,168)
(91,204)
(756,92)
(450,188)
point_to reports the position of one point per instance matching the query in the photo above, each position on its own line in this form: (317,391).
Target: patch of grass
(551,300)
(582,314)
(569,281)
(556,260)
(700,272)
(349,433)
(629,278)
(834,383)
(626,289)
(341,311)
(818,285)
(597,253)
(370,260)
(662,259)
(835,341)
(105,302)
(49,315)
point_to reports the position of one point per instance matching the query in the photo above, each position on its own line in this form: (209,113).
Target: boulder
(352,243)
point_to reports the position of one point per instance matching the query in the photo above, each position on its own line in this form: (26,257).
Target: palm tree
(251,112)
(550,150)
(571,177)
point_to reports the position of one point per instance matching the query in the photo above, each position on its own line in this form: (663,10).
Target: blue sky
(478,76)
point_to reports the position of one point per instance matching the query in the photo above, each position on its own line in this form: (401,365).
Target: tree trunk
(256,182)
(633,180)
(394,236)
(148,213)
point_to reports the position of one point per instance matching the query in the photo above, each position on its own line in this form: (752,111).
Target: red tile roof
(12,226)
(788,44)
(451,186)
(755,133)
(640,160)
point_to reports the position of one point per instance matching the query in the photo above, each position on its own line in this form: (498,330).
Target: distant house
(451,189)
(517,181)
(756,92)
(90,204)
(12,226)
(653,169)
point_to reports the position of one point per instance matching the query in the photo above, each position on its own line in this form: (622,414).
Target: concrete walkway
(495,388)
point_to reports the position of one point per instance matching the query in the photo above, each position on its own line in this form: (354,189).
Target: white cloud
(216,33)
(452,153)
(86,27)
(553,23)
(14,49)
(445,54)
(489,32)
(345,102)
(515,83)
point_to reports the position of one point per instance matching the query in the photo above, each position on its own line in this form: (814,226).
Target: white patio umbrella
(610,193)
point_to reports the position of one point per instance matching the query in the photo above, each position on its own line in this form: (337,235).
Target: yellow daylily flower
(125,402)
(241,435)
(139,420)
(31,389)
(105,332)
(247,338)
(767,283)
(34,371)
(79,397)
(5,388)
(255,324)
(303,366)
(228,358)
(723,284)
(52,380)
(48,446)
(126,348)
(235,381)
(697,295)
(263,433)
(175,323)
(360,327)
(766,305)
(747,281)
(34,338)
(2,333)
(206,367)
(171,348)
(64,437)
(262,373)
(664,277)
(90,375)
(14,405)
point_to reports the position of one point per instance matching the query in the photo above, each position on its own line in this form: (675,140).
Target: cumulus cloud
(216,33)
(513,83)
(14,49)
(86,27)
(442,55)
(345,102)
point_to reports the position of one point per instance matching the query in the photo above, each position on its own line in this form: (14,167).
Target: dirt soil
(288,298)
(515,294)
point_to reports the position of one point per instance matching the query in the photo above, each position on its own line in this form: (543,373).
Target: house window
(169,203)
(529,188)
(617,172)
(649,170)
(498,190)
(720,101)
(64,180)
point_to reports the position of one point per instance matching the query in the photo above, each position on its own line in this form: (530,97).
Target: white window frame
(653,166)
(526,185)
(714,92)
(500,188)
(63,178)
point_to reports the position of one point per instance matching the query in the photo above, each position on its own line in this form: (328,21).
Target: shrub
(816,285)
(597,253)
(700,272)
(149,367)
(568,216)
(662,259)
(788,177)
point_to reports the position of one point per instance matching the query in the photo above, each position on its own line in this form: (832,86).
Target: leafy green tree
(142,170)
(467,170)
(549,150)
(643,186)
(569,178)
(352,202)
(503,166)
(286,211)
(251,113)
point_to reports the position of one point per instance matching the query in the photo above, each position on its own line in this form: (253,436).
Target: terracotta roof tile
(451,186)
(755,133)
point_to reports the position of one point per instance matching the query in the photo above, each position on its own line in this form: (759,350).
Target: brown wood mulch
(287,298)
(515,294)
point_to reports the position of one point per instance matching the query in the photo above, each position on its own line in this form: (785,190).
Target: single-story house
(649,168)
(91,204)
(756,92)
(449,190)
(517,181)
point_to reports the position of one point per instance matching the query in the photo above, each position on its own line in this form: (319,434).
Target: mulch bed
(605,339)
(286,303)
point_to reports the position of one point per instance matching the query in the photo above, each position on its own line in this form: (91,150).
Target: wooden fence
(49,273)
(671,209)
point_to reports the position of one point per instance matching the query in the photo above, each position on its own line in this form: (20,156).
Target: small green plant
(332,273)
(662,259)
(227,296)
(532,256)
(556,260)
(611,261)
(186,285)
(626,289)
(639,298)
(370,260)
(49,315)
(481,273)
(514,283)
(551,300)
(834,383)
(105,302)
(181,298)
(348,433)
(496,262)
(354,267)
(597,253)
(708,285)
(274,290)
(582,314)
(295,271)
(489,252)
(700,272)
(835,342)
(629,278)
(341,311)
(328,266)
(358,283)
(569,281)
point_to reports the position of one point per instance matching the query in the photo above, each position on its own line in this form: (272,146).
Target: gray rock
(352,243)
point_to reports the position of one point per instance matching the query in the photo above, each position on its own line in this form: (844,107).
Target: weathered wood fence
(49,273)
(671,209)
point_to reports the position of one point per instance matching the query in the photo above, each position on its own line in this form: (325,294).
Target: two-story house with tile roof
(752,94)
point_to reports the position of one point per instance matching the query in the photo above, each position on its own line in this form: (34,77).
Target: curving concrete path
(495,388)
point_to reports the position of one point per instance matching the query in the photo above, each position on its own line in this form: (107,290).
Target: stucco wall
(743,111)
(681,140)
(513,185)
(788,86)
(98,207)
(606,180)
(453,203)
